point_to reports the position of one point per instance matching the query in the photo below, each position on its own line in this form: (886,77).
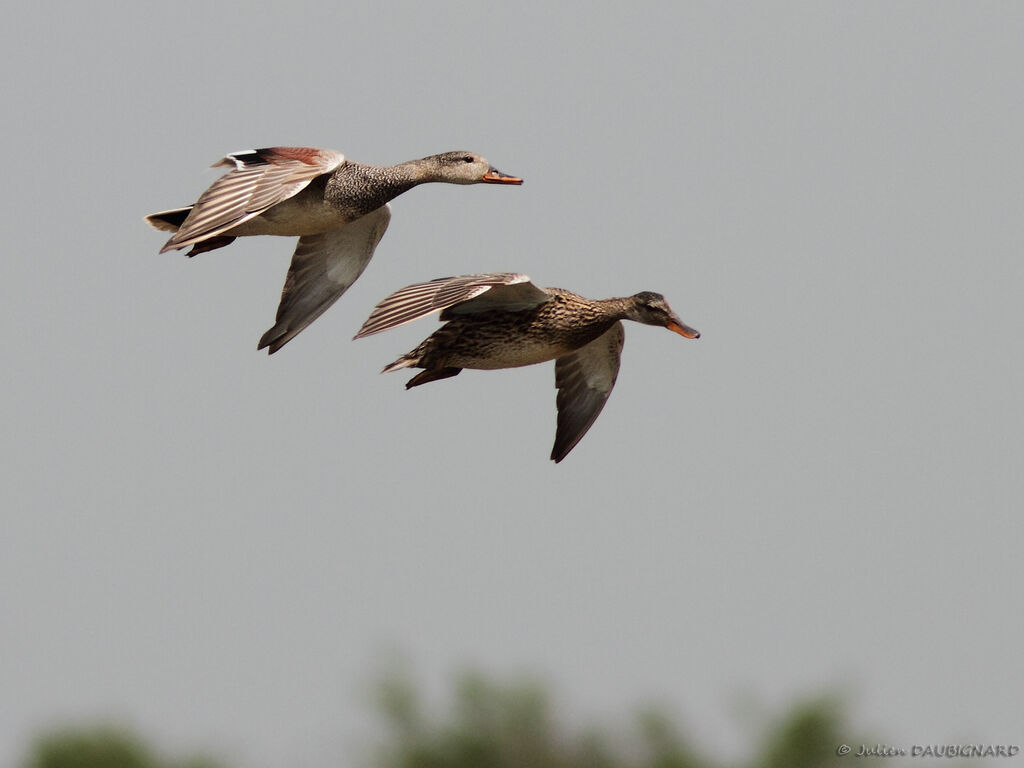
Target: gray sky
(824,490)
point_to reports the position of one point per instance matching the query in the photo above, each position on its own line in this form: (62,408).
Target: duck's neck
(581,318)
(614,309)
(356,189)
(585,310)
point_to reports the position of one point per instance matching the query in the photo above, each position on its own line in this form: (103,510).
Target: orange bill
(494,176)
(682,329)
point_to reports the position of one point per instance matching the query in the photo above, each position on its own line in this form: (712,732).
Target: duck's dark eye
(467,159)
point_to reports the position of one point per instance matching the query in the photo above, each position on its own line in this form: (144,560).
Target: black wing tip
(559,452)
(273,340)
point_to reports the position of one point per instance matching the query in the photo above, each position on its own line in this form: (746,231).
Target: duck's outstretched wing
(259,179)
(456,296)
(585,379)
(322,269)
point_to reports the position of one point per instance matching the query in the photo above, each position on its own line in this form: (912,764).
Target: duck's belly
(296,216)
(508,354)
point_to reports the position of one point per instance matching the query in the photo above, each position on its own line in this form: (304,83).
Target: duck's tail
(168,221)
(171,221)
(406,361)
(423,377)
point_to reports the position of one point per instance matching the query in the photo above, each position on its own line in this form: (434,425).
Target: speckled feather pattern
(497,339)
(502,320)
(355,189)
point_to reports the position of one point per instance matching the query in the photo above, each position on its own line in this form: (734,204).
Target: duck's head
(652,309)
(466,168)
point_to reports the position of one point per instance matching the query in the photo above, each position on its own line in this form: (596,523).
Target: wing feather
(322,269)
(454,295)
(585,379)
(260,178)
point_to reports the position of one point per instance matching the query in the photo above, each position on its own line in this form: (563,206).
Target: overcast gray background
(824,490)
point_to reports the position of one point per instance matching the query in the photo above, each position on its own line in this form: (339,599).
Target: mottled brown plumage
(503,320)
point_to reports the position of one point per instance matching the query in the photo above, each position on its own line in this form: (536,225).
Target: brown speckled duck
(337,208)
(503,320)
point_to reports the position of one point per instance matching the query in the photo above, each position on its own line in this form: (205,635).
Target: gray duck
(337,208)
(503,320)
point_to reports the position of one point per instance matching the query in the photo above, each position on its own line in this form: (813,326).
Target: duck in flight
(338,208)
(503,320)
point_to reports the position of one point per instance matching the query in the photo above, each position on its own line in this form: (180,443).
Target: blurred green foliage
(494,724)
(511,725)
(101,747)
